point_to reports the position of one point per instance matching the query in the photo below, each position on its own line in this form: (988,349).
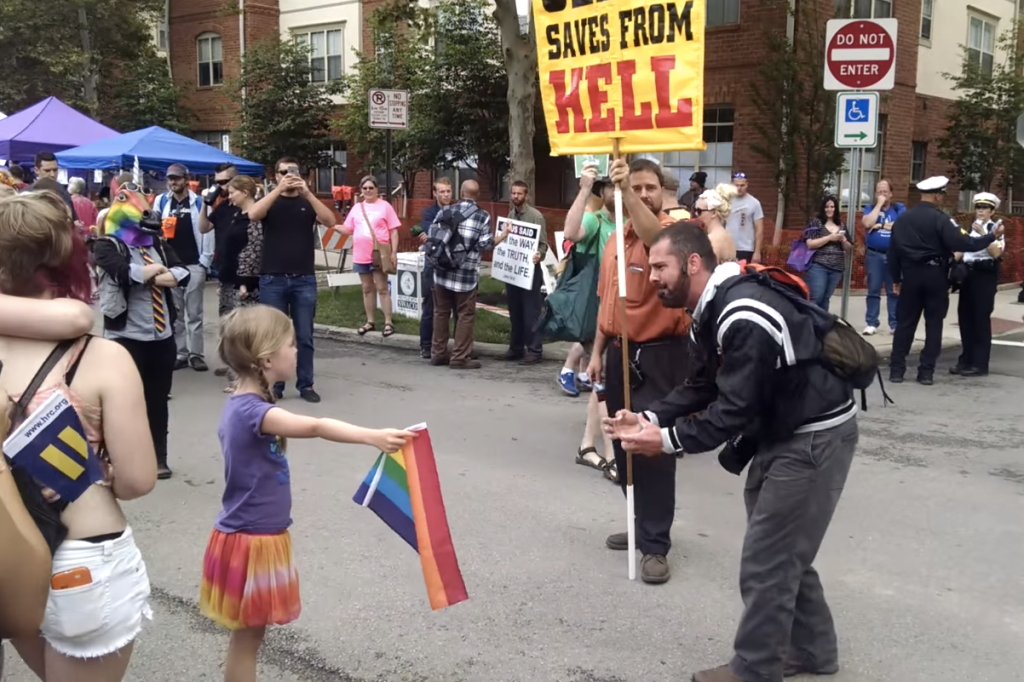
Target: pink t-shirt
(383,218)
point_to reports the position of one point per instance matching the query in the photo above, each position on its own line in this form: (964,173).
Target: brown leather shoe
(721,674)
(464,364)
(618,541)
(531,359)
(439,360)
(654,569)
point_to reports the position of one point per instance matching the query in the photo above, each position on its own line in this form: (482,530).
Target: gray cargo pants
(791,493)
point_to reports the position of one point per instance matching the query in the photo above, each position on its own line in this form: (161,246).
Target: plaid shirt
(477,236)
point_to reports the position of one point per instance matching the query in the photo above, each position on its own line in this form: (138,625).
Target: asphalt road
(922,564)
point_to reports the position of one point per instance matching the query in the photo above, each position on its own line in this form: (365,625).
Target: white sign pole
(620,249)
(851,221)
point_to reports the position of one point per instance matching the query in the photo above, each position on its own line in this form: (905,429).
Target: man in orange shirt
(658,358)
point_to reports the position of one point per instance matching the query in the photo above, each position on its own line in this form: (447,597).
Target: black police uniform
(923,241)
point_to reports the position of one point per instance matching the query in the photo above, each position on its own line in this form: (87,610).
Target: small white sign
(389,109)
(856,119)
(513,258)
(97,177)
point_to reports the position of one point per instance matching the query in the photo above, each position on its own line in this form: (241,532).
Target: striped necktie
(157,295)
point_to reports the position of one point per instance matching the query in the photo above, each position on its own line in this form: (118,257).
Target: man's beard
(675,297)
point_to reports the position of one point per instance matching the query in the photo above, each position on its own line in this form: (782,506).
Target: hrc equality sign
(51,446)
(631,70)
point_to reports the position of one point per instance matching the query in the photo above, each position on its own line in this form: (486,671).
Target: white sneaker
(869,330)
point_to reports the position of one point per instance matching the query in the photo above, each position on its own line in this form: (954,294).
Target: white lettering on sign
(513,258)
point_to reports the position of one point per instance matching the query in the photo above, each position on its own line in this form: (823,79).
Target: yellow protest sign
(626,69)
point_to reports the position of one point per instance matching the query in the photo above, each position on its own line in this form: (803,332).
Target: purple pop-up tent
(47,126)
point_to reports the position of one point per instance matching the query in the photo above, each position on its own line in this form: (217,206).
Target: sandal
(581,458)
(389,329)
(611,471)
(368,327)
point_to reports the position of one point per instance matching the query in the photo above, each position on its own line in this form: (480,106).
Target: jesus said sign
(626,69)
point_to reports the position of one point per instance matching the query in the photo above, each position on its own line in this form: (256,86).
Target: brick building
(205,43)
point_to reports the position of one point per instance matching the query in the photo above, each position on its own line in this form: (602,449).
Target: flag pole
(620,246)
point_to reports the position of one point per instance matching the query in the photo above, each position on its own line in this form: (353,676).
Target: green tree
(469,88)
(448,58)
(400,60)
(78,51)
(140,93)
(980,140)
(282,111)
(520,53)
(795,129)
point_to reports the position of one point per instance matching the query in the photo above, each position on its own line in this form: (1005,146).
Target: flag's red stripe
(447,565)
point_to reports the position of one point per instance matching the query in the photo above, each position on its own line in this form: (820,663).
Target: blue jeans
(877,266)
(822,283)
(295,296)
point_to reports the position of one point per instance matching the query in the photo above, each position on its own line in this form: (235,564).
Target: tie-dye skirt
(249,580)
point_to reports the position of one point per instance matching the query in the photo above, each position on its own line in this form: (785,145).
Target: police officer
(978,291)
(923,242)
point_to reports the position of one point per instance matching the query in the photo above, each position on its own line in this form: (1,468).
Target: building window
(161,35)
(716,160)
(214,139)
(927,9)
(870,169)
(863,9)
(981,44)
(211,60)
(723,12)
(917,161)
(326,50)
(334,172)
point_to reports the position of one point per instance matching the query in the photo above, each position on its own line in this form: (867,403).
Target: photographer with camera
(218,216)
(290,213)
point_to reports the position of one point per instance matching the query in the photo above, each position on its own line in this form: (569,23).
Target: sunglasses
(367,188)
(222,182)
(132,187)
(698,211)
(739,175)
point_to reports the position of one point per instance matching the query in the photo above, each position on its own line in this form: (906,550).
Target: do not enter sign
(860,54)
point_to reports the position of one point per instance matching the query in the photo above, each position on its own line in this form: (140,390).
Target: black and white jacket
(753,372)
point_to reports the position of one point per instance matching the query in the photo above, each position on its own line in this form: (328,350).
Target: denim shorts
(107,614)
(364,268)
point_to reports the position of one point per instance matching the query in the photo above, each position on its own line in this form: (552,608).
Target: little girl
(249,581)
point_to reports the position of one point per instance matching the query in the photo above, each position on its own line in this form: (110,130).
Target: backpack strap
(44,371)
(72,369)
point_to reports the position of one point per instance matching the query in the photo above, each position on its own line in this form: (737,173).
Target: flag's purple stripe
(390,514)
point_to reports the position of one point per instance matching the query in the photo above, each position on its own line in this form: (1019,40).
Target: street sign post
(860,54)
(856,129)
(856,119)
(389,109)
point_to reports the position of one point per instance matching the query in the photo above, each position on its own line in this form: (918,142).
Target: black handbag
(45,514)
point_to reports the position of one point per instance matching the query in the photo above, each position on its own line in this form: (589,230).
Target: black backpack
(844,352)
(446,250)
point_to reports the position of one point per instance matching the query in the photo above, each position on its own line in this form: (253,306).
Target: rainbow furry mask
(127,204)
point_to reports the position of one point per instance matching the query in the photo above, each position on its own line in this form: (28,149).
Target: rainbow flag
(403,490)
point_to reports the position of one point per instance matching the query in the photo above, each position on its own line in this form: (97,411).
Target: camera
(150,223)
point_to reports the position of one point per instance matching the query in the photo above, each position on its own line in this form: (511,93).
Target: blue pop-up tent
(156,148)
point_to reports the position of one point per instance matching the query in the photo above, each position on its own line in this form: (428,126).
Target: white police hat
(933,184)
(986,199)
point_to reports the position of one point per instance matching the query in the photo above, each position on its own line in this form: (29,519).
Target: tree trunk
(521,64)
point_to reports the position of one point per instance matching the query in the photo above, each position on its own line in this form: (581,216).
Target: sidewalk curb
(554,352)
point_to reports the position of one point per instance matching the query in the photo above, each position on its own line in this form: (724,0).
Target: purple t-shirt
(257,490)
